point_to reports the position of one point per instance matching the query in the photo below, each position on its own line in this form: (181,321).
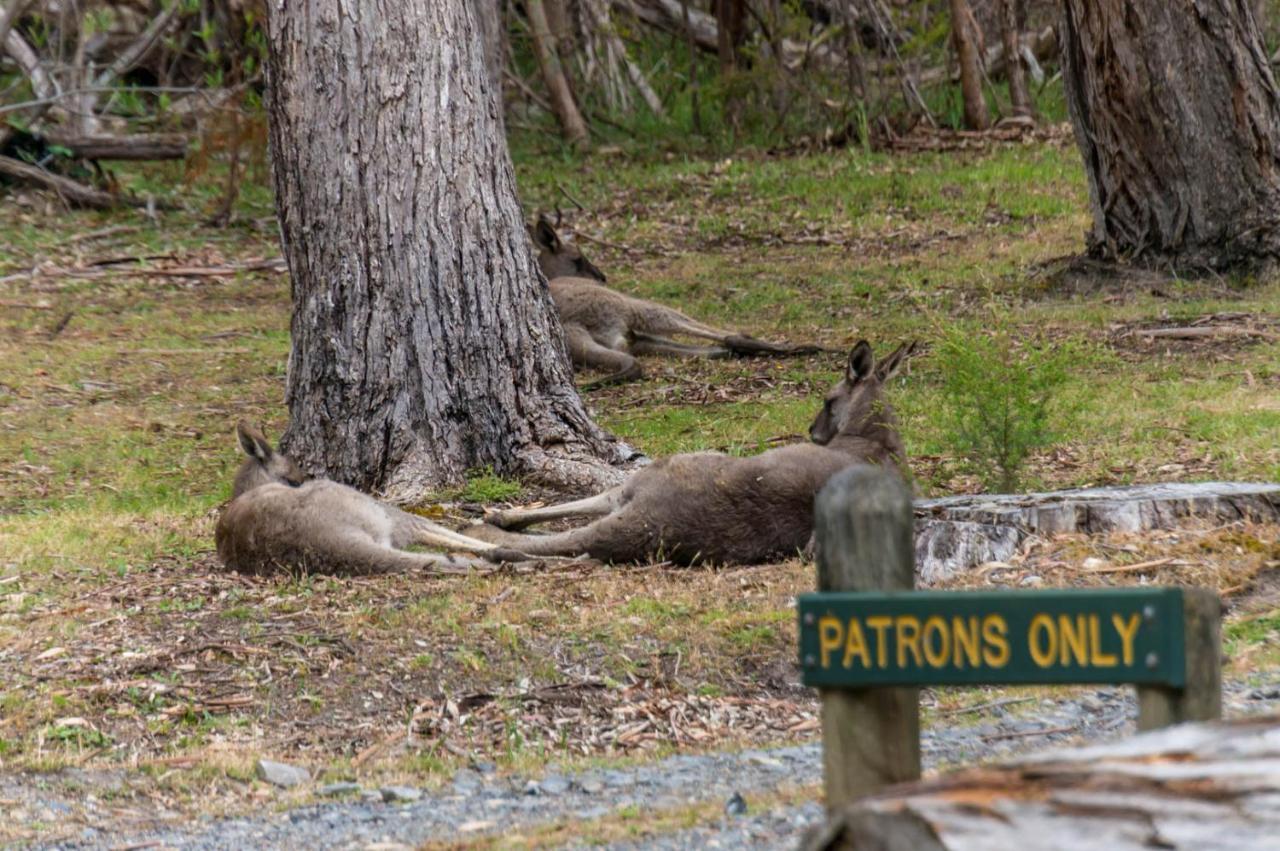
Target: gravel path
(480,802)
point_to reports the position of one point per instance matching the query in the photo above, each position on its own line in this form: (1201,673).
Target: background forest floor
(132,346)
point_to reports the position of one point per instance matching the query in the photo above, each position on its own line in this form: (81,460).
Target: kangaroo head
(558,260)
(264,465)
(856,403)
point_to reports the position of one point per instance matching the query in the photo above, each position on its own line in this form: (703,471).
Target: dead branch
(74,193)
(135,52)
(146,146)
(11,13)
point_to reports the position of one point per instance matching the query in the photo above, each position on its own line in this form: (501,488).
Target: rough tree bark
(966,39)
(425,341)
(1013,19)
(544,45)
(1177,115)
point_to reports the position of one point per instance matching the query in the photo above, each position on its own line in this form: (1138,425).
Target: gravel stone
(554,784)
(281,774)
(333,790)
(397,794)
(474,807)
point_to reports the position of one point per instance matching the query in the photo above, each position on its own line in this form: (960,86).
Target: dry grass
(123,645)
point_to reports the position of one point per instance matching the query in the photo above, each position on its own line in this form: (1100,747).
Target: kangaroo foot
(506,555)
(631,373)
(747,346)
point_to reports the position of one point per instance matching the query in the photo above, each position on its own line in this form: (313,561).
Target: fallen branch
(1205,331)
(143,146)
(1134,568)
(76,194)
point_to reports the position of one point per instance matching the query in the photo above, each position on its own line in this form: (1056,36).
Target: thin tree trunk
(425,342)
(731,33)
(965,37)
(694,86)
(1013,19)
(1177,115)
(544,45)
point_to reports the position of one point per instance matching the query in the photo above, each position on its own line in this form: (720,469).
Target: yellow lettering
(881,623)
(1073,640)
(1128,631)
(1096,657)
(937,655)
(965,638)
(830,633)
(907,635)
(995,631)
(1042,655)
(856,645)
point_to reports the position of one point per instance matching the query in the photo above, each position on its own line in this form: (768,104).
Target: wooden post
(870,736)
(1200,699)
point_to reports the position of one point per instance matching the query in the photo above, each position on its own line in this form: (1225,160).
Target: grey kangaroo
(606,329)
(705,506)
(279,519)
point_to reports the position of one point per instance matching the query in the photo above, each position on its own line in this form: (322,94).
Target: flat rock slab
(959,532)
(1197,787)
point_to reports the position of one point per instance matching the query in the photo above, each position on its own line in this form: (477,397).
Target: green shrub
(1001,398)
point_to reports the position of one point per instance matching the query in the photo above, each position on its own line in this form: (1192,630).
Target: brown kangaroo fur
(706,506)
(279,519)
(606,329)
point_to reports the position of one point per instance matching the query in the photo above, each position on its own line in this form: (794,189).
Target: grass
(116,451)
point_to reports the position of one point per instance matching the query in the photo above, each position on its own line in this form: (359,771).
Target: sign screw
(1149,612)
(808,618)
(1153,661)
(809,661)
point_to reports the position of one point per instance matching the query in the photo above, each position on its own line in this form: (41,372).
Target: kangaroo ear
(254,442)
(862,362)
(889,367)
(545,235)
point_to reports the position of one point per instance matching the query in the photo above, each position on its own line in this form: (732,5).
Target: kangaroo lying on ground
(280,519)
(606,329)
(705,506)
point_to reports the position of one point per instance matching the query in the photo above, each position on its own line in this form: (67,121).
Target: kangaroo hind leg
(666,320)
(585,351)
(649,344)
(593,506)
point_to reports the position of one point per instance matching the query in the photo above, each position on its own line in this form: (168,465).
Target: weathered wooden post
(868,646)
(871,736)
(1200,696)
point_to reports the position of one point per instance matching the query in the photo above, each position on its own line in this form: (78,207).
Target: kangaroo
(606,329)
(705,506)
(279,518)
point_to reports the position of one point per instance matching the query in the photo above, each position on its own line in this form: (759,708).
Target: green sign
(1129,635)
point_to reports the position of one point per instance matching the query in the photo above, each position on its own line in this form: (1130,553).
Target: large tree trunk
(1176,112)
(966,39)
(544,45)
(425,341)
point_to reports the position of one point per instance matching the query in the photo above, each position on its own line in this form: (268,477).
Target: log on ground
(1206,787)
(960,532)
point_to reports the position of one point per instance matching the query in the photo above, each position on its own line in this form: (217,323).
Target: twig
(572,200)
(1020,734)
(981,707)
(103,233)
(1133,568)
(223,351)
(598,241)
